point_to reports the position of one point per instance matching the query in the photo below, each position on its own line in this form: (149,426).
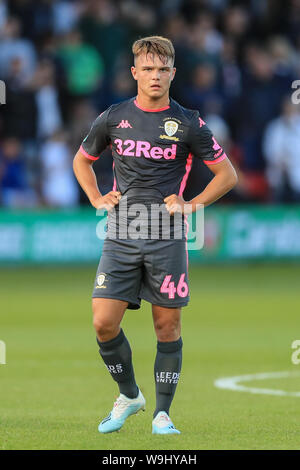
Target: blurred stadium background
(63,62)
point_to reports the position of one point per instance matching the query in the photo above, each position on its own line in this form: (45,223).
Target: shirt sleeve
(202,142)
(97,139)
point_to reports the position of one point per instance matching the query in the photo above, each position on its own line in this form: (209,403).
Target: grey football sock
(116,354)
(167,369)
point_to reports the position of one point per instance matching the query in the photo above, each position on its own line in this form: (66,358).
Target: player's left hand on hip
(176,203)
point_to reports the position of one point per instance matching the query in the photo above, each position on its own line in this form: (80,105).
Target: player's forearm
(216,188)
(86,177)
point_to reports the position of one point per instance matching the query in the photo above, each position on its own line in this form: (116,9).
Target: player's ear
(133,71)
(173,73)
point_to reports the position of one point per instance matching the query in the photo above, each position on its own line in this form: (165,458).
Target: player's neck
(147,102)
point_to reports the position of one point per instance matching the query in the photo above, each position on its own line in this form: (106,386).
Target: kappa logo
(124,124)
(201,122)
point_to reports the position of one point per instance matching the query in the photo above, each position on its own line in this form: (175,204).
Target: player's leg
(167,366)
(116,354)
(116,288)
(165,286)
(114,346)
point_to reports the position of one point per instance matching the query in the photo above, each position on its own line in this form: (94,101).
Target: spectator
(82,64)
(209,38)
(258,103)
(281,145)
(283,55)
(20,111)
(14,47)
(123,87)
(49,118)
(58,185)
(82,115)
(203,88)
(230,72)
(236,22)
(65,61)
(14,189)
(65,15)
(101,25)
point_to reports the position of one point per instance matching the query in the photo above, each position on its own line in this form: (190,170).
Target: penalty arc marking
(233,383)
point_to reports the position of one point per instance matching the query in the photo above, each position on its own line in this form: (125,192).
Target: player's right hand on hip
(108,201)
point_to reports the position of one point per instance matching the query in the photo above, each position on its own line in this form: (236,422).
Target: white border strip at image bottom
(232,383)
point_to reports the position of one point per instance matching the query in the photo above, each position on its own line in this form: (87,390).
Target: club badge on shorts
(101,278)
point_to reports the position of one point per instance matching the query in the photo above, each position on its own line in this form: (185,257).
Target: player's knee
(167,329)
(103,325)
(105,329)
(107,317)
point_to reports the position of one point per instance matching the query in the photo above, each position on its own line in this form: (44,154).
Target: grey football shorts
(153,270)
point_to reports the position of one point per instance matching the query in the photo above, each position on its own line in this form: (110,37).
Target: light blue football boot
(162,424)
(123,407)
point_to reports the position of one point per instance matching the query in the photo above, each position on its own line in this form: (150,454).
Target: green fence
(232,233)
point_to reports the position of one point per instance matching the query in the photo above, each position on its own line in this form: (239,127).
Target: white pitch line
(232,383)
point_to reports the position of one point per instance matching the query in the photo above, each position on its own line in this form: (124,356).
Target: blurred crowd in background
(65,61)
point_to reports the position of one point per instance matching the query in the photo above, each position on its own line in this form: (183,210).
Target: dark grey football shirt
(152,149)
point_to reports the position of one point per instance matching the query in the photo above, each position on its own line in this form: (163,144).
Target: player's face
(153,76)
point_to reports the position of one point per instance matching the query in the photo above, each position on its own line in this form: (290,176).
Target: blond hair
(159,45)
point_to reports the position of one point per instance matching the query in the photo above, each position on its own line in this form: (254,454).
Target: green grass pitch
(54,388)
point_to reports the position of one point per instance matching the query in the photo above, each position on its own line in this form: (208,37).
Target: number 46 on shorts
(168,287)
